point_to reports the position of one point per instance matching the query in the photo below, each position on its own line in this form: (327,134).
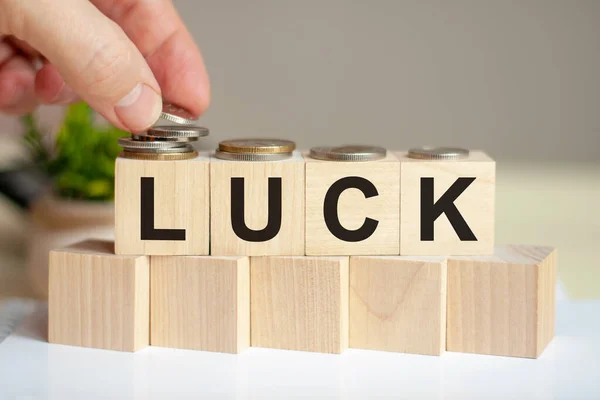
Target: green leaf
(82,161)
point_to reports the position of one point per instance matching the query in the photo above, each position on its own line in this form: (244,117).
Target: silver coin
(438,153)
(186,148)
(224,155)
(178,115)
(130,143)
(348,153)
(142,137)
(177,131)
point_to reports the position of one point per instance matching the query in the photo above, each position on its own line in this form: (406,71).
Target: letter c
(330,209)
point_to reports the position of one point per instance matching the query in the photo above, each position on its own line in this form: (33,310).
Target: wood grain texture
(98,299)
(398,304)
(476,205)
(502,304)
(300,303)
(353,207)
(201,303)
(290,238)
(181,201)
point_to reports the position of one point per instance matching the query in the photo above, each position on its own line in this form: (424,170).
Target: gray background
(519,79)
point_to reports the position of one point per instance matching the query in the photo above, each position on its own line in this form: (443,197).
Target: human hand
(120,56)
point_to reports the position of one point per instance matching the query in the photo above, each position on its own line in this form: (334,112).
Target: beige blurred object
(58,223)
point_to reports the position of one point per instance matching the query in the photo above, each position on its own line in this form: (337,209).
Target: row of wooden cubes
(500,305)
(303,206)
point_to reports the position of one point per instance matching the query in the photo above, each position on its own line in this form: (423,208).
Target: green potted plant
(79,162)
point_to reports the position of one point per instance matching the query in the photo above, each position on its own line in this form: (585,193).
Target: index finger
(157,30)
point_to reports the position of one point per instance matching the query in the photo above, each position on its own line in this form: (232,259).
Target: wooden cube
(398,304)
(300,303)
(200,303)
(352,207)
(447,207)
(502,304)
(257,208)
(98,299)
(162,207)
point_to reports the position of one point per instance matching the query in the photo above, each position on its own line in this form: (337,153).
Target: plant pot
(56,223)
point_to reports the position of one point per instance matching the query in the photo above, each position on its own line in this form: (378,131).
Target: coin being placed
(223,155)
(177,131)
(142,137)
(438,153)
(131,143)
(257,146)
(348,153)
(178,115)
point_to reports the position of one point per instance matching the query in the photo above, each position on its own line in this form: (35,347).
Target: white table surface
(30,368)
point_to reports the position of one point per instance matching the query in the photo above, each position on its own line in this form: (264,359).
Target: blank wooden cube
(352,207)
(201,303)
(162,207)
(502,304)
(98,299)
(257,208)
(447,207)
(300,303)
(398,304)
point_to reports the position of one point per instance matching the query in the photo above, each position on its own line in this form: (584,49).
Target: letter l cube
(162,207)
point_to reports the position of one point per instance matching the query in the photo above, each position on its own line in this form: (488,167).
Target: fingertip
(110,118)
(140,108)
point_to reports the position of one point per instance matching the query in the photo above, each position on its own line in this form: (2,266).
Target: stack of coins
(165,142)
(255,149)
(348,153)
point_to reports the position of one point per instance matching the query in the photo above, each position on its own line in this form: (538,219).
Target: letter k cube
(447,206)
